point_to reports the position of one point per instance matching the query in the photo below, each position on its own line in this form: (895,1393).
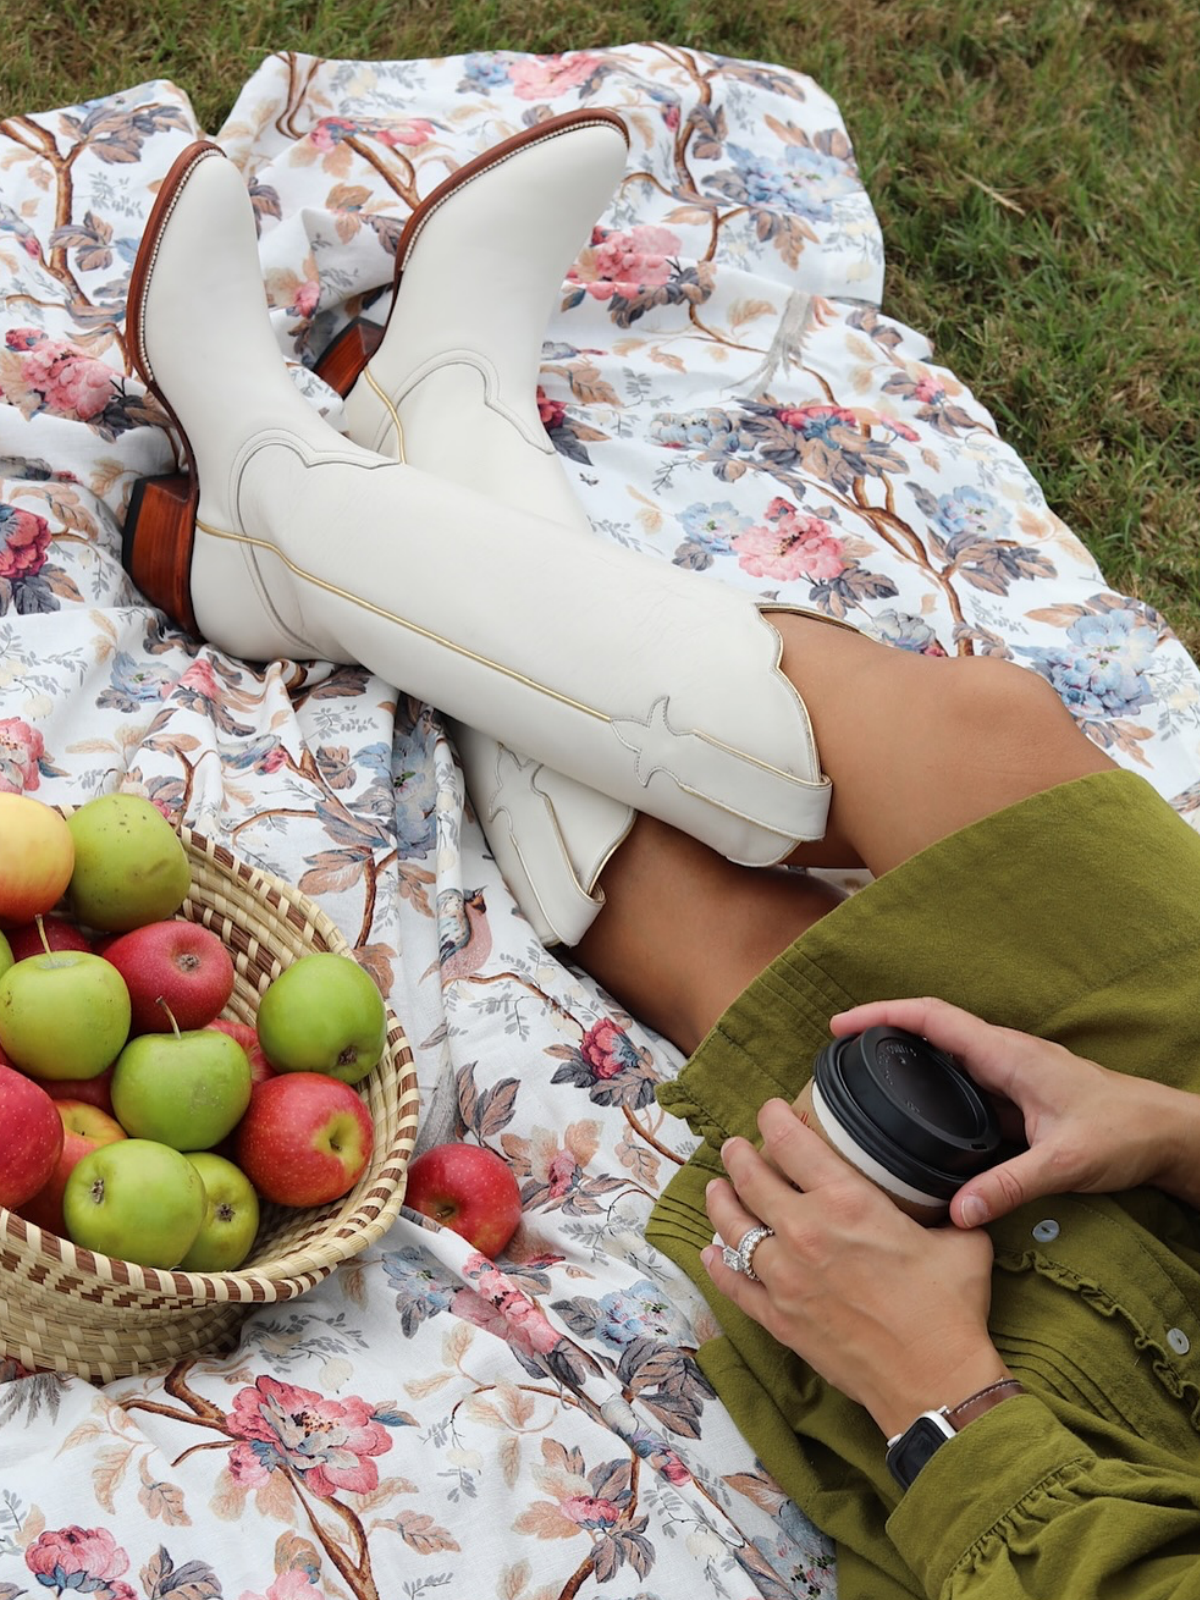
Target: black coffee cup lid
(910,1107)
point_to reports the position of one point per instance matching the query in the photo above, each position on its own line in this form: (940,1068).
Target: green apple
(136,1200)
(187,1090)
(130,866)
(6,955)
(230,1218)
(323,1014)
(63,1014)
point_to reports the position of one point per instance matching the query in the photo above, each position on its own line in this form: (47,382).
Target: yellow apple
(37,855)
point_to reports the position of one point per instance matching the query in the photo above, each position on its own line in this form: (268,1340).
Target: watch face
(914,1448)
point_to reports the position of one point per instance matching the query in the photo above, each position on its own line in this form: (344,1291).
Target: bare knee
(992,705)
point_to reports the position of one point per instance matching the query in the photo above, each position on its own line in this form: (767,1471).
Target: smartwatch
(908,1452)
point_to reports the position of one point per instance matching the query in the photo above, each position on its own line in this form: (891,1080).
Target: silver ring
(741,1260)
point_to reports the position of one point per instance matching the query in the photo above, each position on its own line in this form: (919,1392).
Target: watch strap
(908,1452)
(976,1404)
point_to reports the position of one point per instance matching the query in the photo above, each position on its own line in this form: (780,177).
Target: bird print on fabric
(465,938)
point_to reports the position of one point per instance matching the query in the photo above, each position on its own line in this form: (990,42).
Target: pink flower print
(24,540)
(542,77)
(327,1444)
(671,1467)
(526,1322)
(561,1174)
(201,680)
(815,421)
(626,263)
(414,131)
(589,1511)
(607,1049)
(902,428)
(24,338)
(330,131)
(929,389)
(552,412)
(21,748)
(305,300)
(70,382)
(532,1333)
(272,761)
(80,1560)
(291,1585)
(795,547)
(499,1308)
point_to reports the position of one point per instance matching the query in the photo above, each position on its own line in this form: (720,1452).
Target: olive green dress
(1075,916)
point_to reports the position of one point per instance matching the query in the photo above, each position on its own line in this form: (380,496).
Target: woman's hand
(1089,1130)
(892,1314)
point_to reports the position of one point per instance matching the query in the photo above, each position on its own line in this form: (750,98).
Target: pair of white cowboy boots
(441,545)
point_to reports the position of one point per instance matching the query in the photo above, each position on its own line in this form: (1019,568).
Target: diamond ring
(742,1259)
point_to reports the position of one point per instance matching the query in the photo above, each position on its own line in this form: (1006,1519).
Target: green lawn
(1035,165)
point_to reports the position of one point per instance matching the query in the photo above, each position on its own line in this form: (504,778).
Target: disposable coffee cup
(904,1115)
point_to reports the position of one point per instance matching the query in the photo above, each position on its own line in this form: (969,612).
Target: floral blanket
(726,395)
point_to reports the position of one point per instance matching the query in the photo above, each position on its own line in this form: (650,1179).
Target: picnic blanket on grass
(725,394)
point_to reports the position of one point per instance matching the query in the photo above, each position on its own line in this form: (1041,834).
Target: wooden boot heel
(343,360)
(156,545)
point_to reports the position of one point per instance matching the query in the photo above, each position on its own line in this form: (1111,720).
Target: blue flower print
(134,682)
(420,1291)
(640,1312)
(1100,672)
(715,526)
(710,531)
(903,631)
(805,183)
(711,430)
(968,514)
(481,72)
(414,788)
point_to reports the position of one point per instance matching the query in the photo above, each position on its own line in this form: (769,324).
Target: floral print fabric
(725,394)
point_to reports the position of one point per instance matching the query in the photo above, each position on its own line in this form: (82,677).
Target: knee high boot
(626,675)
(449,386)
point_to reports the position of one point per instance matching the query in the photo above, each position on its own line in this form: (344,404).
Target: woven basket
(66,1309)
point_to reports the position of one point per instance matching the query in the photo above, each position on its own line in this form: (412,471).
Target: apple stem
(174,1025)
(41,928)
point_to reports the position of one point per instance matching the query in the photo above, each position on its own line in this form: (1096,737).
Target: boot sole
(343,360)
(160,524)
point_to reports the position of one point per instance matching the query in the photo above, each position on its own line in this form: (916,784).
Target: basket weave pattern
(69,1310)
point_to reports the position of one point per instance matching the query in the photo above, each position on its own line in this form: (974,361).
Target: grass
(1035,165)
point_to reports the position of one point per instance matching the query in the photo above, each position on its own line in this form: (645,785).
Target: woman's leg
(917,747)
(682,931)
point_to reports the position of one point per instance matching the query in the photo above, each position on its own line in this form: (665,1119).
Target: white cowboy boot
(630,676)
(451,382)
(450,387)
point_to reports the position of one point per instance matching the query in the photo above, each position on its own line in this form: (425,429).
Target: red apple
(305,1139)
(37,855)
(33,1138)
(92,1091)
(84,1128)
(60,935)
(179,963)
(260,1068)
(468,1189)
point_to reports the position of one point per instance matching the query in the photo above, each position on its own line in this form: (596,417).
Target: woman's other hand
(1088,1130)
(892,1314)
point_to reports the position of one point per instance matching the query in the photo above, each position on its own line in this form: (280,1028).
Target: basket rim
(298,1269)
